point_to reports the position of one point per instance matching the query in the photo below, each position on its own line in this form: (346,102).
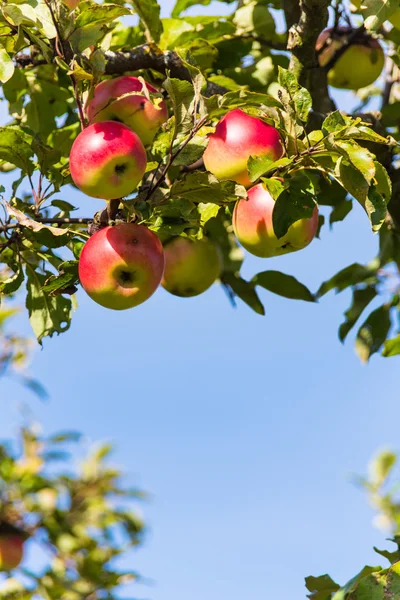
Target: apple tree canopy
(53,55)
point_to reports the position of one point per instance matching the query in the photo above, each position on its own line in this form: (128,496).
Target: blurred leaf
(48,315)
(321,587)
(351,275)
(6,66)
(361,299)
(391,347)
(373,333)
(245,291)
(283,285)
(149,14)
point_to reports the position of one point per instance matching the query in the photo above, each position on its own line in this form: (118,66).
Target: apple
(72,4)
(394,18)
(237,137)
(11,551)
(135,111)
(107,160)
(359,66)
(252,224)
(191,267)
(121,266)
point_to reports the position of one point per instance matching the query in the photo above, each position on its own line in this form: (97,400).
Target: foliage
(81,520)
(372,582)
(50,60)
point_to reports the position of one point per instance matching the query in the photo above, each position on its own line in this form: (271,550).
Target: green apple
(191,267)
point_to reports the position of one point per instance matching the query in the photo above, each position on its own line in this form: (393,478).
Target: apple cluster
(121,266)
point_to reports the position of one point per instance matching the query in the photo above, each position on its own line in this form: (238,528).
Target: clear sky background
(245,429)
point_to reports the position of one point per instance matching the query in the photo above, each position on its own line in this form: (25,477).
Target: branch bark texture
(312,19)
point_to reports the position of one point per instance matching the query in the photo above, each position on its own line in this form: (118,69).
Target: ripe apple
(121,266)
(190,267)
(107,160)
(11,551)
(72,4)
(252,224)
(237,137)
(135,111)
(359,66)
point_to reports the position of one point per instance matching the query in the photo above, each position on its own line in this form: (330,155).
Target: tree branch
(50,221)
(304,60)
(148,56)
(291,8)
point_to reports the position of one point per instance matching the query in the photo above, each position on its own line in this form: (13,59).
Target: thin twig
(172,157)
(52,221)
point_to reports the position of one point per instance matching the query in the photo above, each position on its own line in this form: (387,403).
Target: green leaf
(182,5)
(334,122)
(100,13)
(321,587)
(294,97)
(12,284)
(351,275)
(340,211)
(47,156)
(258,166)
(283,285)
(292,205)
(254,17)
(380,467)
(361,299)
(182,97)
(352,584)
(373,333)
(245,291)
(359,157)
(65,281)
(14,148)
(376,12)
(6,66)
(48,315)
(149,14)
(376,208)
(352,180)
(87,36)
(207,211)
(204,187)
(391,347)
(383,183)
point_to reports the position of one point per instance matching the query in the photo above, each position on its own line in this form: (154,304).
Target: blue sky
(245,429)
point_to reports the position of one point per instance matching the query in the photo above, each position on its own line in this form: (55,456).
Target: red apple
(107,160)
(135,111)
(11,551)
(359,66)
(252,224)
(121,266)
(190,267)
(237,137)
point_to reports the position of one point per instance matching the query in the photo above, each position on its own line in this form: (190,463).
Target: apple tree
(200,135)
(62,527)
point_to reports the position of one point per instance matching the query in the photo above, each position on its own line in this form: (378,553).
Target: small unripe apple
(191,267)
(107,160)
(121,266)
(359,66)
(72,4)
(135,111)
(11,551)
(253,227)
(237,137)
